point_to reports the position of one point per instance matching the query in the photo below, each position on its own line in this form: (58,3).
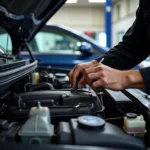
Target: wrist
(133,79)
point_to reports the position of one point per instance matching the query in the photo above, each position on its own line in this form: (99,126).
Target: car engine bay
(42,108)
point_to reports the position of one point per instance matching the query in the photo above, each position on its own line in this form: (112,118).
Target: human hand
(80,69)
(103,76)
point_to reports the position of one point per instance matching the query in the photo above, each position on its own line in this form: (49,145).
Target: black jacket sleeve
(133,49)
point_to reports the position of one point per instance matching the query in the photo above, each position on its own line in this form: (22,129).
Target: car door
(57,48)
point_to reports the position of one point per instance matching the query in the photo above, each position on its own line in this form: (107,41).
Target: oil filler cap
(91,121)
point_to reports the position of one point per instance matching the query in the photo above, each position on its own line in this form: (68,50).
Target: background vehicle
(63,47)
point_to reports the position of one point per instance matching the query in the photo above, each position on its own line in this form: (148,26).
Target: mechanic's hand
(98,75)
(103,76)
(80,70)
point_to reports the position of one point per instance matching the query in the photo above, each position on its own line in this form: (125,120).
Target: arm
(133,49)
(114,79)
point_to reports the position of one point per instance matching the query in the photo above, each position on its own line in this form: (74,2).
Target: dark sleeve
(133,49)
(146,76)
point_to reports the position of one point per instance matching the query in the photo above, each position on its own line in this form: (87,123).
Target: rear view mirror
(85,48)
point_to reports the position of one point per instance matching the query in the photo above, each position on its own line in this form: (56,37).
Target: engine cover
(110,135)
(62,103)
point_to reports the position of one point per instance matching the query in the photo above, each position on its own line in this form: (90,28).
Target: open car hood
(23,19)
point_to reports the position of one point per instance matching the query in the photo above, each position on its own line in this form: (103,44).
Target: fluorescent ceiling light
(97,1)
(71,1)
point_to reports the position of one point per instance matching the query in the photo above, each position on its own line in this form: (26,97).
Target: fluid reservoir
(134,124)
(35,77)
(38,128)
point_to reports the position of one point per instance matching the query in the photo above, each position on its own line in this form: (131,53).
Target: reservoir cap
(91,121)
(60,75)
(131,115)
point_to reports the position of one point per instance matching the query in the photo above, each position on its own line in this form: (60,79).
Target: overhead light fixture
(71,1)
(97,1)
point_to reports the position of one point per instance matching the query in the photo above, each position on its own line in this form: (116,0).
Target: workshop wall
(80,18)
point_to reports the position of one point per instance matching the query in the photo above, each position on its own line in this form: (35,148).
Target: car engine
(42,108)
(39,109)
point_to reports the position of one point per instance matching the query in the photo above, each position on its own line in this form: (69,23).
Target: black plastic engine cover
(109,135)
(62,103)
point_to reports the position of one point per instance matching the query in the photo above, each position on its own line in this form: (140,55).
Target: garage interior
(60,86)
(87,16)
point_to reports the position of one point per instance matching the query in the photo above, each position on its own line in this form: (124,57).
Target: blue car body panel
(60,61)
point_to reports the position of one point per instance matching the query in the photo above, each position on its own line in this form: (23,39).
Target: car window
(5,41)
(55,42)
